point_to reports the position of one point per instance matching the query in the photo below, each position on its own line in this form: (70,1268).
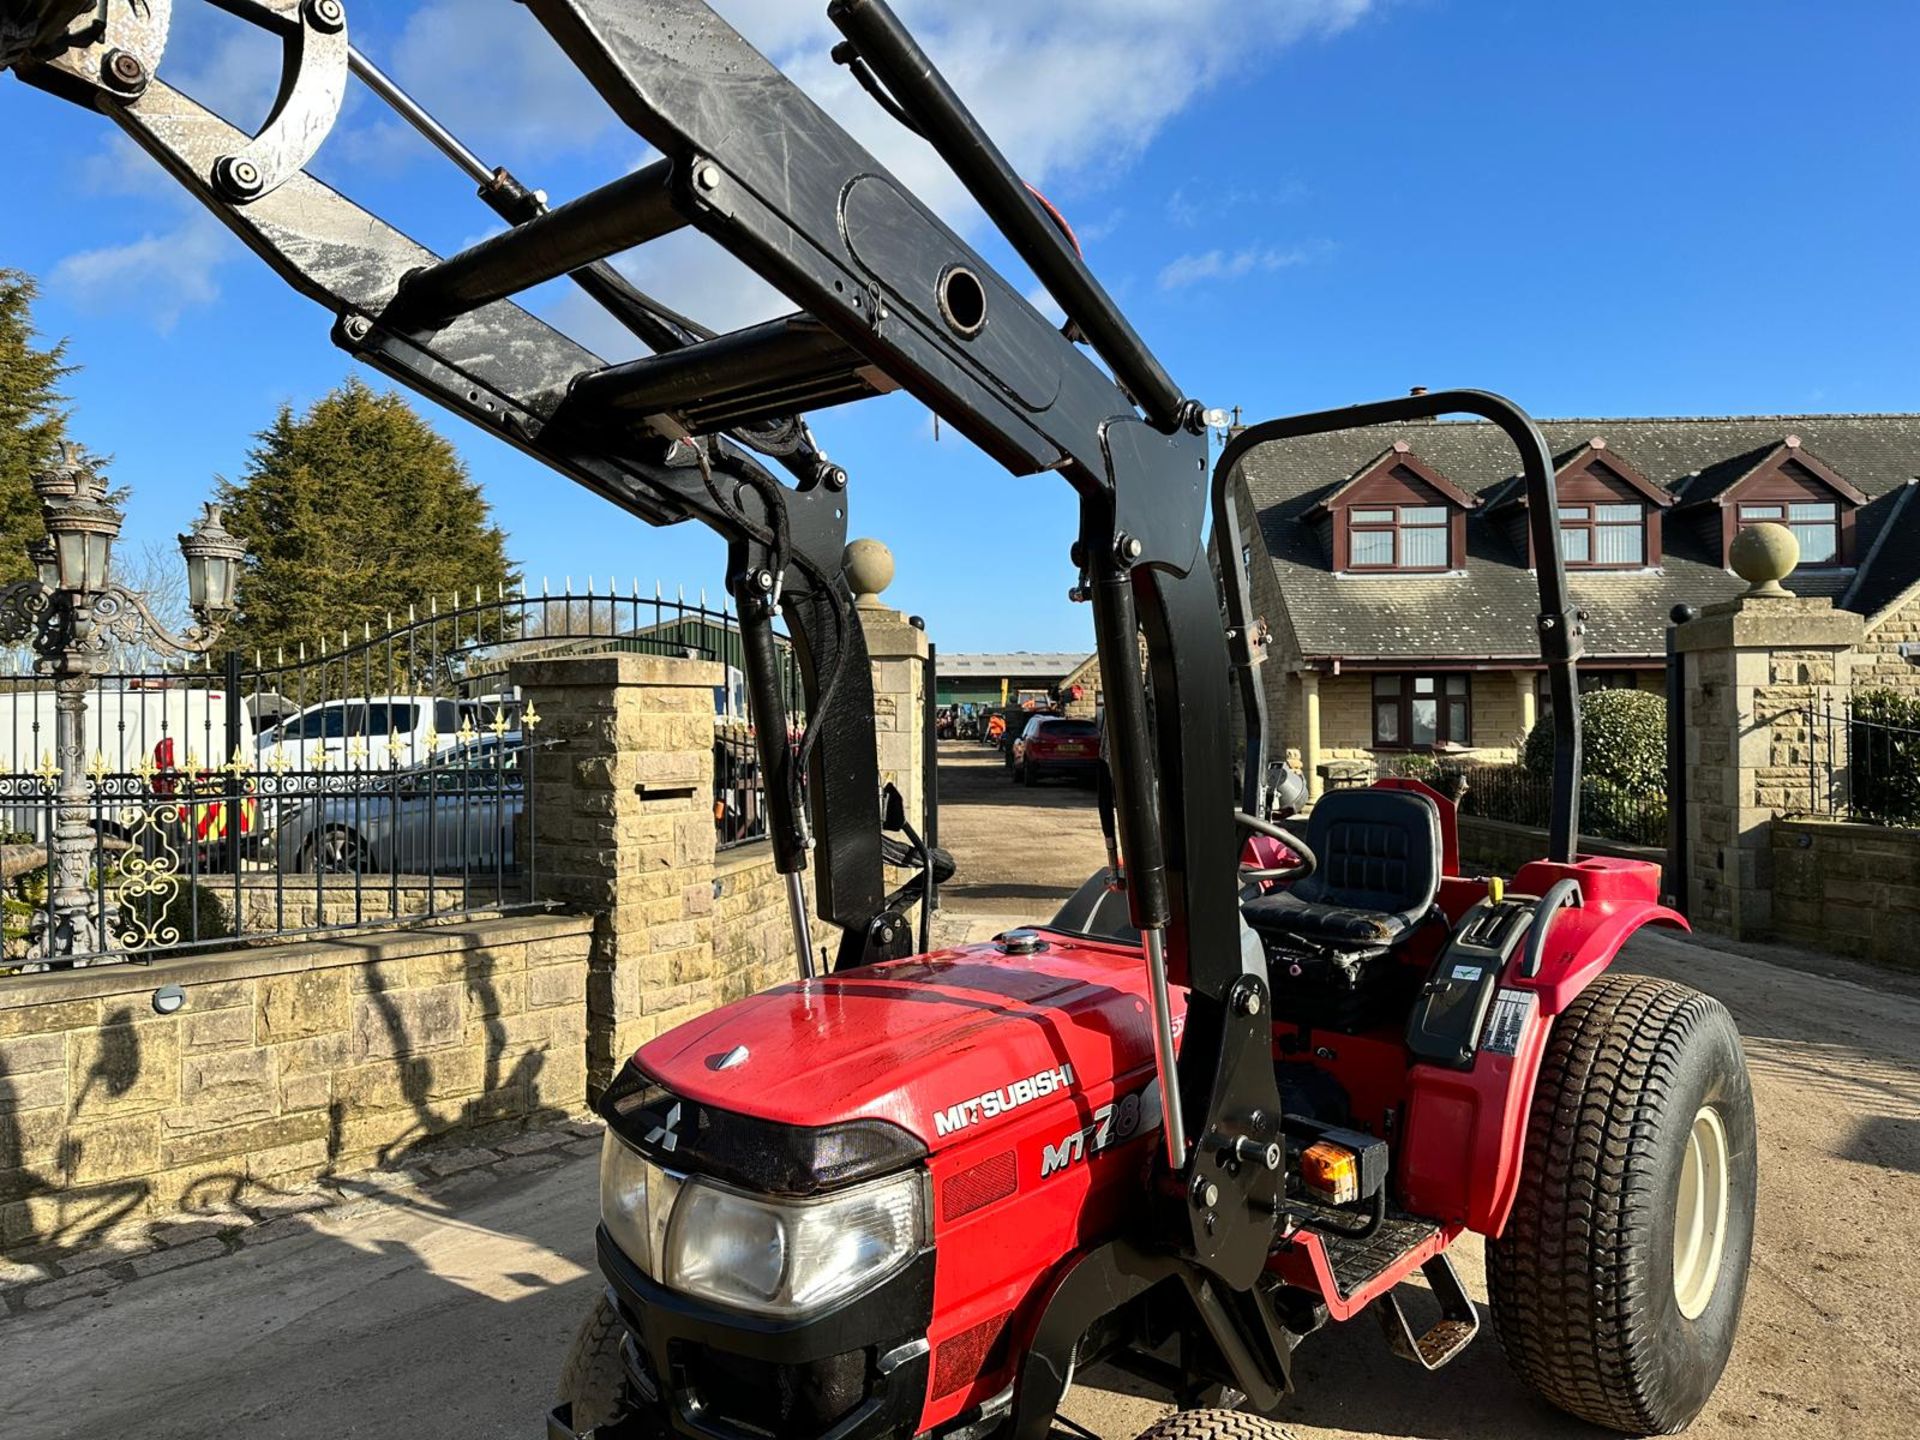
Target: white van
(379,732)
(128,731)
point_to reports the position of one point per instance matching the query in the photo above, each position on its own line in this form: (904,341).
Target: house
(1394,564)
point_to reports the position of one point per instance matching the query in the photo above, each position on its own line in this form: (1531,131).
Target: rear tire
(1213,1425)
(1617,1286)
(593,1378)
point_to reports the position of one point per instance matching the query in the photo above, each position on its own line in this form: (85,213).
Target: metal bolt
(707,176)
(329,16)
(763,581)
(357,327)
(240,179)
(124,70)
(1206,1194)
(836,478)
(1246,1000)
(1250,1151)
(1128,547)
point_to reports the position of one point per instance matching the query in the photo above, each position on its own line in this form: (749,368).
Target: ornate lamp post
(68,612)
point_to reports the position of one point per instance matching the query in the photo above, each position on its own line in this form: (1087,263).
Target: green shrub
(1626,740)
(1883,745)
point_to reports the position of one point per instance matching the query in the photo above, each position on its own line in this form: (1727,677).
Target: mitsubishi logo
(663,1134)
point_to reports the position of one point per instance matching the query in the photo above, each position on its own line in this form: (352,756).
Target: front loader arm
(887,297)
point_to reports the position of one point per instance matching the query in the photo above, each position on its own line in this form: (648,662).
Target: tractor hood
(938,1044)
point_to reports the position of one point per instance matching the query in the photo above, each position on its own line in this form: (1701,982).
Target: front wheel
(1617,1286)
(593,1379)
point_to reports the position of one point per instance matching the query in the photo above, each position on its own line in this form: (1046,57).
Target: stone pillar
(1529,699)
(1756,670)
(1310,726)
(621,813)
(898,650)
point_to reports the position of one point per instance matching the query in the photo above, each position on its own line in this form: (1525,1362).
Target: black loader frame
(887,297)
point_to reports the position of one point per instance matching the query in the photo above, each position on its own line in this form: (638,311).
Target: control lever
(1561,895)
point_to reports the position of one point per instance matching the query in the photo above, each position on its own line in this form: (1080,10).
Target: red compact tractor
(1245,1085)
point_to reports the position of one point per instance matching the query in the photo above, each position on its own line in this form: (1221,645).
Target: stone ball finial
(869,567)
(1763,555)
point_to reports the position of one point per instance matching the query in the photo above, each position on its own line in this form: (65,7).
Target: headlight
(771,1256)
(636,1201)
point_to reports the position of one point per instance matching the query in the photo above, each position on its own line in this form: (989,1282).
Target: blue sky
(1637,208)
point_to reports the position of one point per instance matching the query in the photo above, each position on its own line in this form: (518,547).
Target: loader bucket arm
(886,296)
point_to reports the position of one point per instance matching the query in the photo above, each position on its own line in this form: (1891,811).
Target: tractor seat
(1379,871)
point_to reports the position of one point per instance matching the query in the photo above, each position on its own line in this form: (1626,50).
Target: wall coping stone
(1852,829)
(1759,622)
(728,863)
(106,981)
(890,637)
(617,669)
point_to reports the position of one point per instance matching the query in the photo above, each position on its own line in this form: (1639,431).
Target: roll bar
(1561,628)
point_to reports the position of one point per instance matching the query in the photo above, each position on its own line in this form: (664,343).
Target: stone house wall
(1878,663)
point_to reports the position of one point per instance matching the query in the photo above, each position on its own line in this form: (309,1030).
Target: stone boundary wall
(285,1064)
(752,931)
(1849,889)
(1500,847)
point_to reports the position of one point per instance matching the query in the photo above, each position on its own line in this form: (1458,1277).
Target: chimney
(1416,392)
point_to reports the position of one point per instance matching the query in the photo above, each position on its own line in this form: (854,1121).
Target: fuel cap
(1020,942)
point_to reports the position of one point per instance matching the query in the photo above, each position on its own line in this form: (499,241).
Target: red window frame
(1397,528)
(1780,512)
(1583,517)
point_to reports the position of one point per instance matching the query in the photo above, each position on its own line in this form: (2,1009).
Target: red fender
(1466,1129)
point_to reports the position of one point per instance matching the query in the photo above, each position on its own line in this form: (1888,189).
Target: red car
(1054,745)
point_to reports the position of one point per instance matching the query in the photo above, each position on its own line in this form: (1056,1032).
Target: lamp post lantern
(68,612)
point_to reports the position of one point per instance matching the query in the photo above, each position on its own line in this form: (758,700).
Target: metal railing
(739,789)
(1862,758)
(1514,794)
(356,783)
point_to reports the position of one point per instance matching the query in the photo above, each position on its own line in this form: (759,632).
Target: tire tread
(1570,1276)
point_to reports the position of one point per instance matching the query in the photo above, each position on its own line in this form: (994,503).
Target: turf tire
(1582,1281)
(1213,1425)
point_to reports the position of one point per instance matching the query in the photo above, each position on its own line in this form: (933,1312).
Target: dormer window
(1815,525)
(1794,488)
(1397,516)
(1398,537)
(1611,536)
(1610,514)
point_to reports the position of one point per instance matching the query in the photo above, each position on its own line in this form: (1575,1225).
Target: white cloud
(1071,90)
(1208,265)
(157,277)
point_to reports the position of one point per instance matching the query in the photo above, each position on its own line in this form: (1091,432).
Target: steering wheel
(1253,874)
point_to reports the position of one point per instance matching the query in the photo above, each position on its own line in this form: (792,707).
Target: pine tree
(352,512)
(33,419)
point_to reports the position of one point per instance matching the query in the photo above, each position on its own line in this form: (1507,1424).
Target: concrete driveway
(440,1310)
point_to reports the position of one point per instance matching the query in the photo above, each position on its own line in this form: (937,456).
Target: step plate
(1357,1262)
